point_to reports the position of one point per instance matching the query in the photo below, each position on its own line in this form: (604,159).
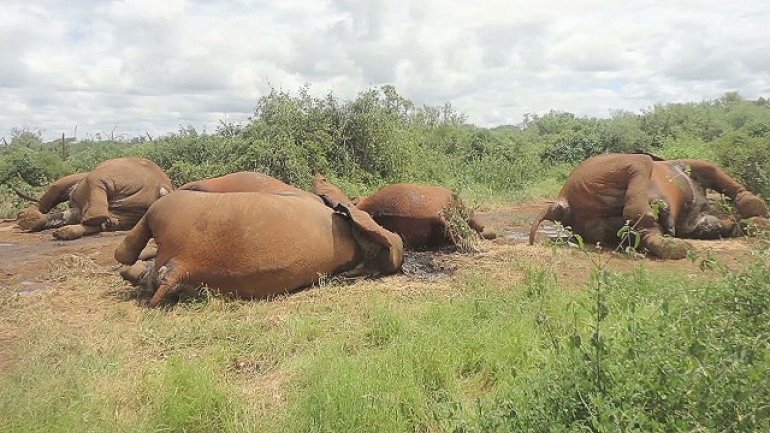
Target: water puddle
(522,236)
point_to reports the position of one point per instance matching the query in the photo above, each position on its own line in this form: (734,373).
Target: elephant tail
(556,211)
(131,247)
(24,195)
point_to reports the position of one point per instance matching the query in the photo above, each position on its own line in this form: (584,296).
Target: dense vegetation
(481,352)
(381,137)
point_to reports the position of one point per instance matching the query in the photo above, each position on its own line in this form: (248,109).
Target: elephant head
(557,211)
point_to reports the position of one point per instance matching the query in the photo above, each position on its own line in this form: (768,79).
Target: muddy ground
(29,262)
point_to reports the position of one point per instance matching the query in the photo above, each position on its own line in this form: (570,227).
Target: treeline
(381,137)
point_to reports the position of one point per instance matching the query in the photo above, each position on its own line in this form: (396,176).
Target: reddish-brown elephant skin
(256,245)
(113,196)
(246,181)
(657,197)
(415,212)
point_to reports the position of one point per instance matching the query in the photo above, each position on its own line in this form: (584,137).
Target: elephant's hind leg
(170,276)
(638,213)
(712,177)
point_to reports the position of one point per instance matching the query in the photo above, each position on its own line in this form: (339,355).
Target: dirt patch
(25,258)
(428,266)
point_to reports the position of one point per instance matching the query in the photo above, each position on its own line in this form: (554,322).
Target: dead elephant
(256,245)
(660,199)
(113,196)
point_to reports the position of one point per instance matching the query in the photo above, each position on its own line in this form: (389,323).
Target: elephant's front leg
(68,233)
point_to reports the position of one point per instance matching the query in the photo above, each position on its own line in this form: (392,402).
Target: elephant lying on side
(655,196)
(113,196)
(247,181)
(256,245)
(416,212)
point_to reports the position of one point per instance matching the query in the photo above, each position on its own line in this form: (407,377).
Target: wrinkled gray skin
(606,191)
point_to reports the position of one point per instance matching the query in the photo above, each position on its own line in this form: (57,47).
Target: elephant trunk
(557,211)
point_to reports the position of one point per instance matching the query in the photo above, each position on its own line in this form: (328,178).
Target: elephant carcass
(113,196)
(656,197)
(257,245)
(242,181)
(247,181)
(416,212)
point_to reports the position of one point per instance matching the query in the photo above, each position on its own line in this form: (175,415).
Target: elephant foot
(749,205)
(68,233)
(31,220)
(149,252)
(667,248)
(135,273)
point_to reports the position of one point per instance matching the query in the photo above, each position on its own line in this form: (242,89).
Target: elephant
(246,181)
(661,199)
(418,213)
(256,244)
(111,197)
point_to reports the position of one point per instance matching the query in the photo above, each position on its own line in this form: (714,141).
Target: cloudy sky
(148,66)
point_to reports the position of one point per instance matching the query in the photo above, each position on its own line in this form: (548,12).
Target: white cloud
(151,66)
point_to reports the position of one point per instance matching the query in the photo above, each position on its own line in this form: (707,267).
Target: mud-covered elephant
(416,212)
(256,245)
(660,199)
(247,181)
(113,196)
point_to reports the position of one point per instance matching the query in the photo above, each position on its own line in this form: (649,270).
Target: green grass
(633,351)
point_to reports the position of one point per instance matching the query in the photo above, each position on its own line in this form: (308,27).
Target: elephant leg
(666,247)
(149,252)
(712,177)
(749,205)
(59,219)
(485,232)
(135,273)
(68,233)
(639,214)
(132,246)
(170,276)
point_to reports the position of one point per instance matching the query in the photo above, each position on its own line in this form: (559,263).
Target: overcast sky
(152,65)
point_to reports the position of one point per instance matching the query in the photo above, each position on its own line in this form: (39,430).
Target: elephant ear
(329,192)
(372,232)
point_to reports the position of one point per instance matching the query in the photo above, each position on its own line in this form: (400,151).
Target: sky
(128,68)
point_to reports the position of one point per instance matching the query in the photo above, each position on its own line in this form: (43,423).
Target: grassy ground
(519,338)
